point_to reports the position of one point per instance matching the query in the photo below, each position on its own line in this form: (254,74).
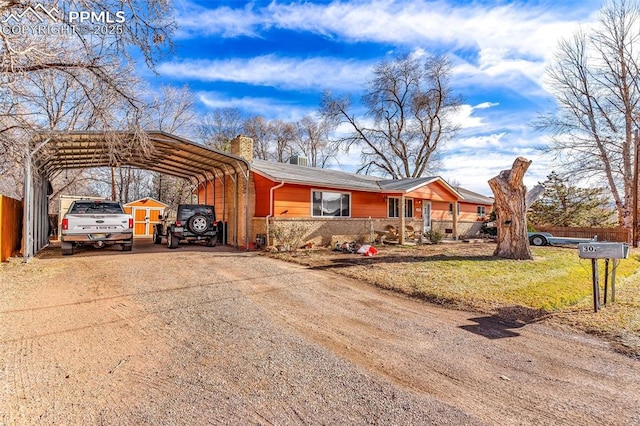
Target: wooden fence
(619,234)
(10,227)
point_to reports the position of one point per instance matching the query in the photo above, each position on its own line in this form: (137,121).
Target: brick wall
(328,232)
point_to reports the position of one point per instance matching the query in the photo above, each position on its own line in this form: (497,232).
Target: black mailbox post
(603,250)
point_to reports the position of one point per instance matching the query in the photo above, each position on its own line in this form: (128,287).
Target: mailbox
(599,250)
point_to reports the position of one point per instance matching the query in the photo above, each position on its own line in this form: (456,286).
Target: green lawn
(555,280)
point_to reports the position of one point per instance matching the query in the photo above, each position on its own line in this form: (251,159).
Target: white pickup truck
(97,223)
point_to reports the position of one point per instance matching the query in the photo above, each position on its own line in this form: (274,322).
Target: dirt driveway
(214,336)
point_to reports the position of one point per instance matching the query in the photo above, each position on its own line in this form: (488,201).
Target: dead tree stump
(510,206)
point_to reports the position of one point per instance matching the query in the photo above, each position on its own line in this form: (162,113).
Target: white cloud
(510,43)
(465,118)
(485,105)
(473,161)
(266,107)
(271,70)
(508,37)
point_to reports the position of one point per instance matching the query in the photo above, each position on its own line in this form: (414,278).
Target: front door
(426,216)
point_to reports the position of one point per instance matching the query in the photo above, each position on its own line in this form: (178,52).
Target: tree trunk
(510,194)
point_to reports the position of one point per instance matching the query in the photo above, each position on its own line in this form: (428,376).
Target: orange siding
(295,200)
(469,211)
(292,201)
(435,191)
(10,227)
(214,196)
(440,210)
(263,188)
(368,204)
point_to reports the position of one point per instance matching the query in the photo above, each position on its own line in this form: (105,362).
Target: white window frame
(333,192)
(408,212)
(481,211)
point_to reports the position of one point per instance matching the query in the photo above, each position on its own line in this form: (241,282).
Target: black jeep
(194,222)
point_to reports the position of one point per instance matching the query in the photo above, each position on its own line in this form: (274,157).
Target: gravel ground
(213,336)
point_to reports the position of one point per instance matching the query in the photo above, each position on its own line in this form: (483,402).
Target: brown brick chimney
(242,146)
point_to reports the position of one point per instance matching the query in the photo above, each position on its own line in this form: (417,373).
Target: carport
(151,150)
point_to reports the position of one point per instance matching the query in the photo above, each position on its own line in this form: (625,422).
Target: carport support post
(27,209)
(235,209)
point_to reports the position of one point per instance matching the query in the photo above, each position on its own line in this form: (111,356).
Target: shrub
(288,234)
(435,237)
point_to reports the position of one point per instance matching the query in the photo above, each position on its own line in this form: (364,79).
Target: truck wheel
(172,242)
(157,238)
(67,248)
(198,224)
(211,242)
(128,245)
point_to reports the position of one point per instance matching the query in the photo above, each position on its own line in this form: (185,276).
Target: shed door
(144,218)
(140,222)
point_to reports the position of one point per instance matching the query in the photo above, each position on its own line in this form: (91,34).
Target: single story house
(325,206)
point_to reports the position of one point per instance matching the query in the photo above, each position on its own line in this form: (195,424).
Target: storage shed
(146,213)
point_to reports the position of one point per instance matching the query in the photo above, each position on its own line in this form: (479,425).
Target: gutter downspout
(270,215)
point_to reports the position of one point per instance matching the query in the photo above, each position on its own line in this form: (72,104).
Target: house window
(331,204)
(481,211)
(451,208)
(394,207)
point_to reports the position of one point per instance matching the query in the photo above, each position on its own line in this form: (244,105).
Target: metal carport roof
(151,150)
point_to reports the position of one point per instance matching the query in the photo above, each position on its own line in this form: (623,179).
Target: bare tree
(284,134)
(220,126)
(273,139)
(89,67)
(312,139)
(409,106)
(595,79)
(259,130)
(172,110)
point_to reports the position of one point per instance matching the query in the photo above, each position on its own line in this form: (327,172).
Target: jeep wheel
(198,224)
(157,238)
(172,242)
(211,242)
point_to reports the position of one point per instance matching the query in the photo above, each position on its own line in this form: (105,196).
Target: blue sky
(275,59)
